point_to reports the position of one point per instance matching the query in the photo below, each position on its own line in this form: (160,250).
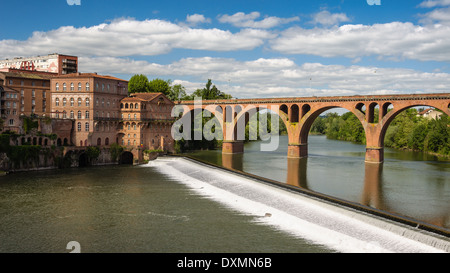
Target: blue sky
(253,48)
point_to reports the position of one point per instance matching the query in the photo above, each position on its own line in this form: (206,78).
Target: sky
(249,49)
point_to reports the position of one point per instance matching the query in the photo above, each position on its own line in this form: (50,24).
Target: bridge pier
(374,154)
(232,147)
(298,150)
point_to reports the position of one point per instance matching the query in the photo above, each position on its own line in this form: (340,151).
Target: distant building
(430,113)
(52,63)
(23,93)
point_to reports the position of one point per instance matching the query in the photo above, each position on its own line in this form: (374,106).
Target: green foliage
(23,153)
(115,151)
(138,84)
(93,152)
(406,131)
(159,86)
(209,92)
(29,124)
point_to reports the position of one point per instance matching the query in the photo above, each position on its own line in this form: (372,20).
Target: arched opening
(83,160)
(418,128)
(361,107)
(106,141)
(126,158)
(347,126)
(294,113)
(284,109)
(99,141)
(387,106)
(66,142)
(58,142)
(371,114)
(305,109)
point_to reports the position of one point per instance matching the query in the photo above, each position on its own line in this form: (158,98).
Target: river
(172,205)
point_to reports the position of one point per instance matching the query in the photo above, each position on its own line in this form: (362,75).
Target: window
(87,101)
(57,86)
(33,93)
(71,101)
(44,94)
(87,86)
(103,102)
(11,122)
(64,101)
(79,101)
(79,115)
(79,126)
(103,87)
(57,114)
(79,86)
(21,82)
(86,115)
(72,88)
(71,114)
(57,102)
(86,126)
(64,87)
(22,92)
(64,114)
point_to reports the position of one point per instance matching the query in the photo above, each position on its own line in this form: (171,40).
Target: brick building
(92,101)
(23,93)
(146,121)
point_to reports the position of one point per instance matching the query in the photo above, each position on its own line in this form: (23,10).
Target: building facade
(23,94)
(52,63)
(93,102)
(103,113)
(146,122)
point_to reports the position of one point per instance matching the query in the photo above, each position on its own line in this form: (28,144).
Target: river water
(174,205)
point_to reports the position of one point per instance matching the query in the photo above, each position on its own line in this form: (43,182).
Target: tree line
(407,131)
(141,84)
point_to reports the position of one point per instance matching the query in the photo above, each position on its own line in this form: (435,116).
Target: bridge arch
(387,120)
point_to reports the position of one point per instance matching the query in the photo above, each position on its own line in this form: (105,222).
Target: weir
(322,221)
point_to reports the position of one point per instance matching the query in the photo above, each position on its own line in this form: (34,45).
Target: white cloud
(326,18)
(129,37)
(197,19)
(436,16)
(434,3)
(390,40)
(241,19)
(279,77)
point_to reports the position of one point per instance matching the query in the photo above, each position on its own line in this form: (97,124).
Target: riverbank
(301,212)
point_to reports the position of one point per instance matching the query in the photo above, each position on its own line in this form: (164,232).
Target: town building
(146,122)
(52,63)
(430,113)
(23,93)
(103,113)
(93,102)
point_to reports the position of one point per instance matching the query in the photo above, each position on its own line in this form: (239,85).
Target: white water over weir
(320,222)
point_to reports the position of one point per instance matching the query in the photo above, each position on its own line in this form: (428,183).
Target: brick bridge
(298,114)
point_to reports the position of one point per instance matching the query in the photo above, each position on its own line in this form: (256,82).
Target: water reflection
(296,172)
(372,193)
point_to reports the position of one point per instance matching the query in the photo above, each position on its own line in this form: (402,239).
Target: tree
(138,84)
(159,86)
(177,92)
(210,92)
